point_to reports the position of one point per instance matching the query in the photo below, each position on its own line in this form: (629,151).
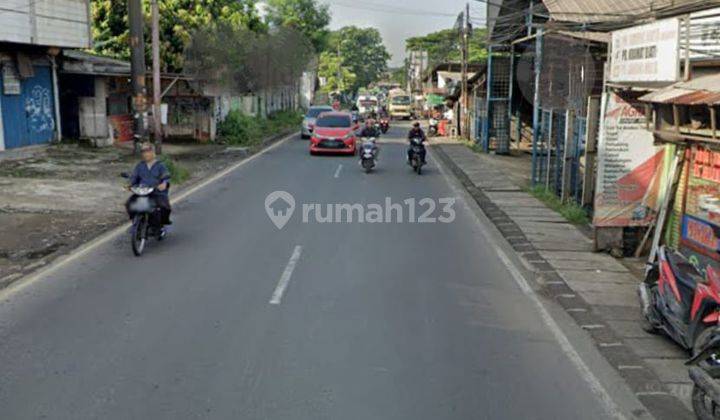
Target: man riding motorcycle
(417,133)
(370,130)
(152,173)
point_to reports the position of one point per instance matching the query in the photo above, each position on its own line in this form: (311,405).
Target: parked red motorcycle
(679,301)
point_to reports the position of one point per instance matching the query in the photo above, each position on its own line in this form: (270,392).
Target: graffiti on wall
(38,107)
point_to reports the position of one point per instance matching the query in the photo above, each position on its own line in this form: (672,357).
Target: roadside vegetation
(178,173)
(239,129)
(571,211)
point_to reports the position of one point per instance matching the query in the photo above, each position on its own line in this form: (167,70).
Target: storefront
(686,117)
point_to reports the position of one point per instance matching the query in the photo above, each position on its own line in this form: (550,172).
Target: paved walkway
(597,290)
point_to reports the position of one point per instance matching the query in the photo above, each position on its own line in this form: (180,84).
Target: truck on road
(400,104)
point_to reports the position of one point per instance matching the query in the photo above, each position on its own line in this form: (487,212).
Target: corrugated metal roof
(607,10)
(703,90)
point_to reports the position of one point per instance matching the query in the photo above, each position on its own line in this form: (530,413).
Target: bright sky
(398,20)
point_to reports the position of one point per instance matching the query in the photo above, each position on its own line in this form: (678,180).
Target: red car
(334,132)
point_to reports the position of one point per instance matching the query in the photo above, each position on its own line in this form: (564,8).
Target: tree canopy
(243,61)
(444,46)
(362,51)
(309,17)
(178,20)
(336,77)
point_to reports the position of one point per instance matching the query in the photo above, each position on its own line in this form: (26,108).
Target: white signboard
(704,35)
(646,53)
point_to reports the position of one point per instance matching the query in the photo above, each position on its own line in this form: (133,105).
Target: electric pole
(465,117)
(137,69)
(156,76)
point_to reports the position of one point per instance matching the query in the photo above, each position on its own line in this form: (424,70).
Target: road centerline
(284,281)
(337,171)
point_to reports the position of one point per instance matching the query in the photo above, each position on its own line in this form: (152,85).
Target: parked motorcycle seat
(687,275)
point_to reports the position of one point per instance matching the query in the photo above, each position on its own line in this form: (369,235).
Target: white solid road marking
(114,233)
(277,295)
(595,386)
(337,172)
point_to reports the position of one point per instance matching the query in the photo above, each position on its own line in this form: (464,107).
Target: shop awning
(703,90)
(434,100)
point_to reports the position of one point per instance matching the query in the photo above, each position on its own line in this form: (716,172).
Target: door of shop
(29,115)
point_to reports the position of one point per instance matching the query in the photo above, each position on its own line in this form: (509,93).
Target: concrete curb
(646,385)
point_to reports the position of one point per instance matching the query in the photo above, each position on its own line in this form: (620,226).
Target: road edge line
(82,250)
(597,388)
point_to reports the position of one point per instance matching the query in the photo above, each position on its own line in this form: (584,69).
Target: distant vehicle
(433,127)
(334,133)
(309,121)
(400,104)
(367,104)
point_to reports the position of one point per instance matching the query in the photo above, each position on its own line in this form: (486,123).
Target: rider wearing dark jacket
(417,133)
(369,130)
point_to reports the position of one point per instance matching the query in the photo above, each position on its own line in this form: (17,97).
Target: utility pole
(137,69)
(465,116)
(156,76)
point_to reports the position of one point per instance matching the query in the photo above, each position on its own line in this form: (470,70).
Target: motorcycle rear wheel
(138,234)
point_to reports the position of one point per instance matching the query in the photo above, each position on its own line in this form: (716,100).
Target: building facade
(32,35)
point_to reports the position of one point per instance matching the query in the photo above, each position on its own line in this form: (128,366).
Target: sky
(398,20)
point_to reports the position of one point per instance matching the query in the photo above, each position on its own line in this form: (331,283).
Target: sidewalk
(595,289)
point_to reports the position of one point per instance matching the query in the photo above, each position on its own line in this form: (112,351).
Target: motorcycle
(384,125)
(705,372)
(416,148)
(368,154)
(147,218)
(676,299)
(433,127)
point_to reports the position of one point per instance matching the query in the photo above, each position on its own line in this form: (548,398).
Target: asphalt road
(375,321)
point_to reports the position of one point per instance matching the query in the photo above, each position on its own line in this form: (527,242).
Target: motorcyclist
(417,133)
(370,130)
(152,173)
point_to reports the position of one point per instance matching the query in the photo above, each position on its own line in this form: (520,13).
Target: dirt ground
(56,198)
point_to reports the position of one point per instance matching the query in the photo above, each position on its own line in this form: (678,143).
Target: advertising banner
(646,53)
(701,221)
(630,167)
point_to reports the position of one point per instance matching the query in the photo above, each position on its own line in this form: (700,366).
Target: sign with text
(630,166)
(646,53)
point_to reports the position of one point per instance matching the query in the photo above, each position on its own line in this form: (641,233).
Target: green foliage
(178,173)
(571,211)
(241,60)
(178,20)
(338,77)
(309,17)
(245,130)
(398,75)
(444,46)
(362,51)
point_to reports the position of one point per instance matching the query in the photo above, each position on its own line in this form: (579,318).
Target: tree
(178,20)
(309,17)
(362,51)
(398,75)
(336,77)
(444,46)
(243,61)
